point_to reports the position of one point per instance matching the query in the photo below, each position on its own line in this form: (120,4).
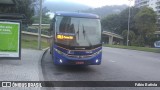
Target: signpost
(157,44)
(10,39)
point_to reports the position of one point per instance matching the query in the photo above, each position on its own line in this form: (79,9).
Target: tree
(124,19)
(145,22)
(45,17)
(119,22)
(152,38)
(142,25)
(132,36)
(111,23)
(25,7)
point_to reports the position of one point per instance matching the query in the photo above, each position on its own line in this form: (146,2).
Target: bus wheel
(50,52)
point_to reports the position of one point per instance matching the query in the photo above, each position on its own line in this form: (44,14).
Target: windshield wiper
(78,32)
(76,35)
(85,35)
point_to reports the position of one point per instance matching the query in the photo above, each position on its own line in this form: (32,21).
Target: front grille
(80,56)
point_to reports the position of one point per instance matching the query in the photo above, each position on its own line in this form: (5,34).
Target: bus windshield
(78,31)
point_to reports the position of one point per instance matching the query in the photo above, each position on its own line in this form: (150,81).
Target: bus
(76,39)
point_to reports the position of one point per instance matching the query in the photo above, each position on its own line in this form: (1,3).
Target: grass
(33,44)
(156,50)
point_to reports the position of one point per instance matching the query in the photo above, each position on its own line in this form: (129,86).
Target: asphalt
(26,69)
(117,65)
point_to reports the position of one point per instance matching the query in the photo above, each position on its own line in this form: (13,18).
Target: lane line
(112,61)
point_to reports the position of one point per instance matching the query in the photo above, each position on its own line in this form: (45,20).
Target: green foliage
(32,44)
(119,22)
(45,17)
(151,39)
(142,25)
(145,23)
(124,19)
(25,7)
(132,36)
(139,41)
(111,23)
(106,10)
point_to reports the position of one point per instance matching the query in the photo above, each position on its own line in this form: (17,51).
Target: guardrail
(112,34)
(34,36)
(45,32)
(157,32)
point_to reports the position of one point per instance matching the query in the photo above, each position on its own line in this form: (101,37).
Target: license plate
(80,62)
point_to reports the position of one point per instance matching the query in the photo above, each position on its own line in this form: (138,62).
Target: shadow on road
(50,70)
(74,68)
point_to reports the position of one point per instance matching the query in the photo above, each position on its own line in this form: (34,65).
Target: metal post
(128,23)
(40,21)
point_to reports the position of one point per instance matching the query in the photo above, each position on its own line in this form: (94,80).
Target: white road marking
(112,61)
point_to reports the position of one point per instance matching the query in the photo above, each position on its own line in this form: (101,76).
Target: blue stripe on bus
(66,59)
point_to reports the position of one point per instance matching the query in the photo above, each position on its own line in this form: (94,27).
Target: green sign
(9,39)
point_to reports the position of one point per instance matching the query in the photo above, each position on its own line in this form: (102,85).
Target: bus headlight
(97,60)
(60,61)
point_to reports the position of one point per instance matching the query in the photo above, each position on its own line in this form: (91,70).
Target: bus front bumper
(62,60)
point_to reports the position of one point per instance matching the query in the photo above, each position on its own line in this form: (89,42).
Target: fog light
(97,61)
(60,61)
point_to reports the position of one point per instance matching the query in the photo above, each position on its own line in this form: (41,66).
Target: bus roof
(77,14)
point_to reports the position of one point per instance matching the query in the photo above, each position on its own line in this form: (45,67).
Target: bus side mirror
(54,20)
(52,26)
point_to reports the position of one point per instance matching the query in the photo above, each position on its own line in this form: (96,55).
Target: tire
(51,51)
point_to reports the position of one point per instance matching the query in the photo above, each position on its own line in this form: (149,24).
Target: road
(117,65)
(26,69)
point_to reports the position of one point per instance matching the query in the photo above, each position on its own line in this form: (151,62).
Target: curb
(45,49)
(41,77)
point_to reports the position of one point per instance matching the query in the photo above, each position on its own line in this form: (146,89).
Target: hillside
(106,10)
(64,6)
(71,6)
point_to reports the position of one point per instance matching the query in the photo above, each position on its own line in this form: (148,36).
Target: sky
(99,3)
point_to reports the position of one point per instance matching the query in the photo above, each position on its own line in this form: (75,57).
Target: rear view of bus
(76,39)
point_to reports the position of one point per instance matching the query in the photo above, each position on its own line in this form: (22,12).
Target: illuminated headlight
(60,61)
(97,61)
